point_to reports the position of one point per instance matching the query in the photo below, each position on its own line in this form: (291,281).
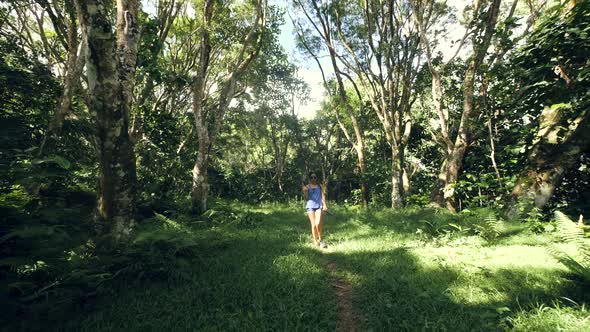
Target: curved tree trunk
(75,61)
(559,143)
(325,27)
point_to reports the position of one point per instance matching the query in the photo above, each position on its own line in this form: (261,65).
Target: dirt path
(346,315)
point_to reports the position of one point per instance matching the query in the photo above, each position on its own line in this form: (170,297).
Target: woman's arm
(305,191)
(324,205)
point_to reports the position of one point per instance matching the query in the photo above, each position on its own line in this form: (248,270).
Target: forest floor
(383,270)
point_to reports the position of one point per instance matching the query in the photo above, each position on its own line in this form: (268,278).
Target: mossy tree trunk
(110,70)
(559,142)
(563,133)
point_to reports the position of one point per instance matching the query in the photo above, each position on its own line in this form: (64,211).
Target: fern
(455,227)
(225,215)
(428,228)
(160,250)
(495,225)
(569,232)
(491,229)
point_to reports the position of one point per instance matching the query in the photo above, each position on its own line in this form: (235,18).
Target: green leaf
(502,310)
(62,162)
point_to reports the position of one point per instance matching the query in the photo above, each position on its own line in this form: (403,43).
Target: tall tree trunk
(358,142)
(452,165)
(397,171)
(559,143)
(362,165)
(453,162)
(74,65)
(206,132)
(110,67)
(279,153)
(200,186)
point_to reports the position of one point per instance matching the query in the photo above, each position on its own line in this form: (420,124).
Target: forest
(157,158)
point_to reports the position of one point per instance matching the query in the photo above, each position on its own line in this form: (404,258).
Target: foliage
(535,220)
(491,228)
(579,261)
(41,239)
(29,92)
(247,263)
(224,214)
(551,74)
(160,250)
(482,223)
(182,266)
(53,265)
(560,315)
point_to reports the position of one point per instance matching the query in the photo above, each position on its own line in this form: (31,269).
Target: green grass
(406,274)
(404,280)
(260,278)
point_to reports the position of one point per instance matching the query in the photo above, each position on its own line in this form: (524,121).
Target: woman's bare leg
(314,234)
(318,223)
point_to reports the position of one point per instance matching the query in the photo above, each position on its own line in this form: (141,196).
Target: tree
(208,114)
(50,30)
(155,33)
(327,145)
(554,72)
(275,92)
(320,21)
(110,70)
(481,28)
(377,46)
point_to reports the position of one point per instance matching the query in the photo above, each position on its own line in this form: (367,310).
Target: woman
(316,203)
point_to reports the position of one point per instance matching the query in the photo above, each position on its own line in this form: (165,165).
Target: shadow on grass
(394,291)
(270,278)
(261,279)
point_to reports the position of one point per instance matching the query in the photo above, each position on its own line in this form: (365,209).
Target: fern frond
(495,225)
(570,233)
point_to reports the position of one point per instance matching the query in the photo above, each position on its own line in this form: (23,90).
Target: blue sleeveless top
(314,200)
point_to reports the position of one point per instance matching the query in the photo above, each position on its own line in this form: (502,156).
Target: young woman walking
(316,203)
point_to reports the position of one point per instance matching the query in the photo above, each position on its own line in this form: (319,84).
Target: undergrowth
(241,267)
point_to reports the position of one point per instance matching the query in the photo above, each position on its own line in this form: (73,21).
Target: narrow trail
(346,315)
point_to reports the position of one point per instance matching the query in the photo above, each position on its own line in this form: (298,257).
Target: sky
(308,70)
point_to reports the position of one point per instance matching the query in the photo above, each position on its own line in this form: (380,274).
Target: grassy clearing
(262,277)
(406,280)
(407,271)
